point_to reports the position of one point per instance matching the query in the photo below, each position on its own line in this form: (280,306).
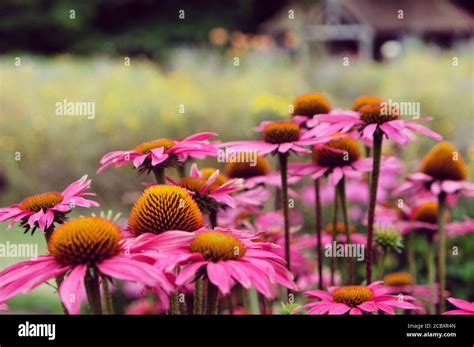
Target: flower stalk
(341,189)
(198,297)
(442,249)
(317,216)
(411,256)
(159,173)
(374,181)
(212,299)
(334,238)
(108,306)
(431,265)
(284,204)
(93,292)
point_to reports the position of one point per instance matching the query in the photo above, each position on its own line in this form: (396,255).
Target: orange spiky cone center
(86,240)
(161,208)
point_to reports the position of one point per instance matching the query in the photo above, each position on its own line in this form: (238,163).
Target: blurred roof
(423,16)
(418,16)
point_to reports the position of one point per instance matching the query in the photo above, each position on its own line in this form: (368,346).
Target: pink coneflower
(372,122)
(307,105)
(372,117)
(210,193)
(465,307)
(3,307)
(282,138)
(161,153)
(87,251)
(355,300)
(258,173)
(226,257)
(340,236)
(337,158)
(403,283)
(442,170)
(423,217)
(43,210)
(278,137)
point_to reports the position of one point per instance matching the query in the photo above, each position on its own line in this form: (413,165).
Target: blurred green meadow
(41,151)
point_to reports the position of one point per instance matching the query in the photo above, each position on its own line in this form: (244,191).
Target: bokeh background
(425,57)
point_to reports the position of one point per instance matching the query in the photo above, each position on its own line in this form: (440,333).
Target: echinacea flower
(442,170)
(464,307)
(161,208)
(83,249)
(339,235)
(208,192)
(337,158)
(423,218)
(307,105)
(161,153)
(403,283)
(45,209)
(355,300)
(372,117)
(364,100)
(279,137)
(226,257)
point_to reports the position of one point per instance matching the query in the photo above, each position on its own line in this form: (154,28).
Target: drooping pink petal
(219,276)
(188,273)
(128,269)
(355,311)
(285,147)
(20,278)
(423,130)
(200,136)
(462,304)
(72,289)
(339,309)
(140,159)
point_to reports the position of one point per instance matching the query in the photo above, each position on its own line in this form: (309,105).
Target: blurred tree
(131,27)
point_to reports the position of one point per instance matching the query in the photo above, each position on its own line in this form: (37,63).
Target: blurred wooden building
(372,28)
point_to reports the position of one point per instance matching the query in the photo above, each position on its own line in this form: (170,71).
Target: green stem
(411,256)
(58,279)
(212,299)
(381,266)
(374,181)
(198,297)
(93,291)
(253,301)
(159,173)
(175,307)
(213,219)
(442,250)
(284,204)
(107,297)
(317,216)
(334,235)
(182,170)
(341,187)
(431,265)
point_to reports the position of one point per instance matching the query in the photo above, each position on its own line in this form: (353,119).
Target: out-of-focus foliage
(122,27)
(141,102)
